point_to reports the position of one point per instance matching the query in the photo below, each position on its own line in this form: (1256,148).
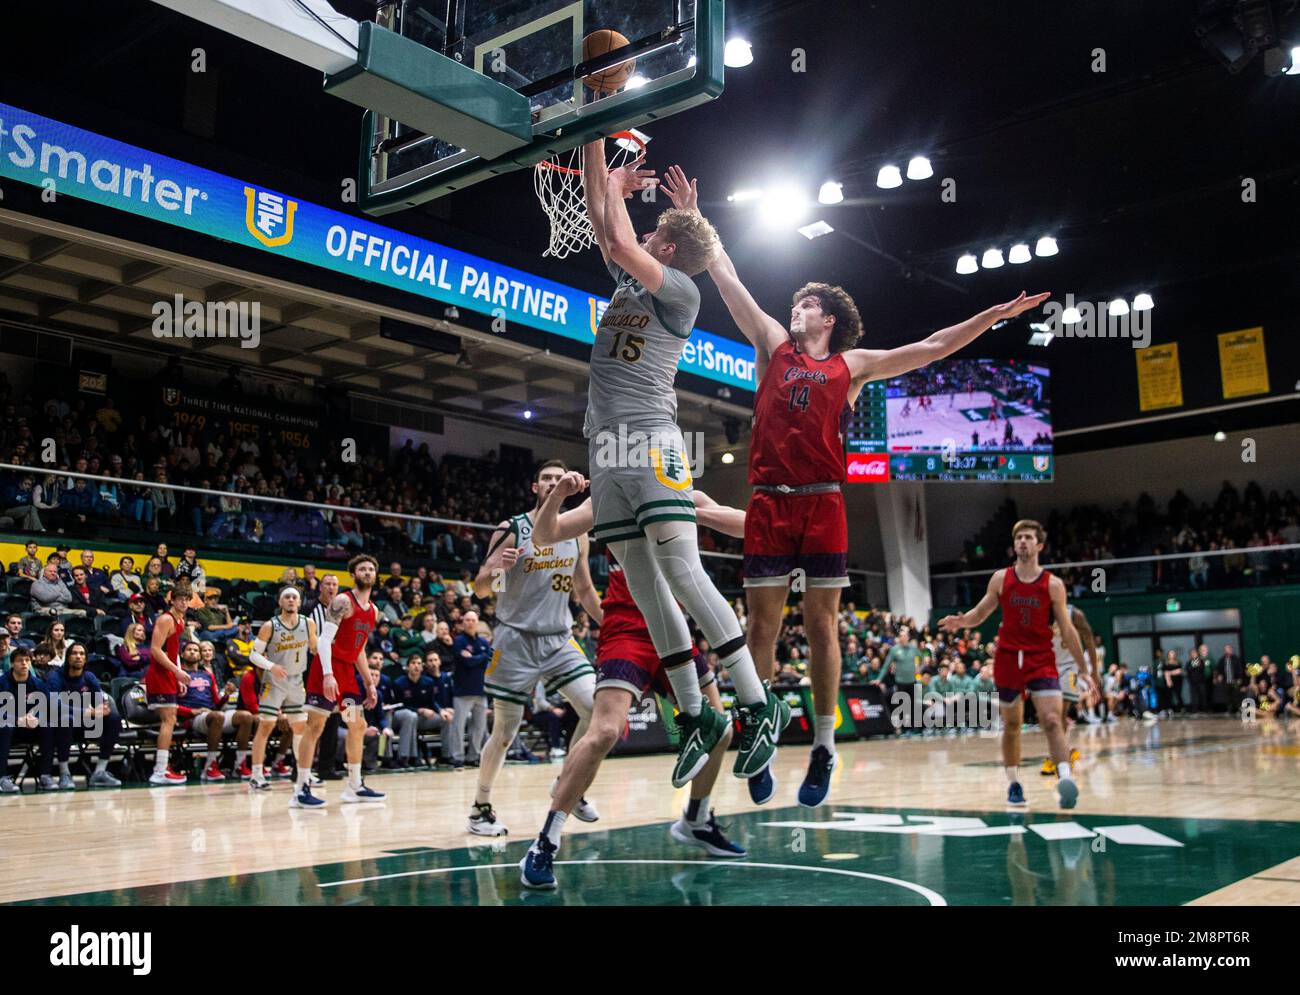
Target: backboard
(535,47)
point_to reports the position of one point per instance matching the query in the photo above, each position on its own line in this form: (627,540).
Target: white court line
(933,897)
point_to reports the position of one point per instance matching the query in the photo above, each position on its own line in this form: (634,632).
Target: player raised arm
(502,554)
(595,178)
(987,606)
(620,237)
(583,588)
(762,330)
(553,526)
(881,364)
(719,517)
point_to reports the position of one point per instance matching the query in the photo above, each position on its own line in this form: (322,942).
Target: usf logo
(269,217)
(670,468)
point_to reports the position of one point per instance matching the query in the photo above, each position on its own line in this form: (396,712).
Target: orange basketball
(600,43)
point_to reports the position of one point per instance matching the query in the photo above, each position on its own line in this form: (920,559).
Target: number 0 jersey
(535,597)
(801,412)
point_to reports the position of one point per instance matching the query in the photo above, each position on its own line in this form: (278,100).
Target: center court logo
(77,949)
(269,217)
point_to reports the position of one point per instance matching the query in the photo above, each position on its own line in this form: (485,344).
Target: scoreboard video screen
(957,419)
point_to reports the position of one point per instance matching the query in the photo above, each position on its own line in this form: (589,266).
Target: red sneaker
(245,770)
(212,773)
(281,769)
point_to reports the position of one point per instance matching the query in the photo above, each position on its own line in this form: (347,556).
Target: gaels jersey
(621,615)
(1026,613)
(349,643)
(801,413)
(536,590)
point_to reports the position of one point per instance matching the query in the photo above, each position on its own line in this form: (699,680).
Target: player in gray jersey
(282,650)
(533,639)
(640,477)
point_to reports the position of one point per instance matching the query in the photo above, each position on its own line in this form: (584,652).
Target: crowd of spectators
(138,453)
(1235,520)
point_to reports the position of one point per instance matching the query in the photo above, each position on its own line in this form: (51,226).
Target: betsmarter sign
(42,152)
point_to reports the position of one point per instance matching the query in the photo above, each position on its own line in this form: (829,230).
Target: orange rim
(548,164)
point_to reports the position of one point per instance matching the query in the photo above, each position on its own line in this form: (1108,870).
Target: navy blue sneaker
(762,786)
(707,837)
(817,782)
(303,798)
(361,795)
(1015,795)
(537,869)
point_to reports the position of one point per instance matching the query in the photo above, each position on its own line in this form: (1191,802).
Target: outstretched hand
(684,193)
(628,179)
(1020,305)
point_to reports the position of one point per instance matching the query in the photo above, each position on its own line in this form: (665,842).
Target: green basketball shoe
(699,735)
(760,728)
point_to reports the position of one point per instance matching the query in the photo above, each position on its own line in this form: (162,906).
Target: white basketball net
(560,190)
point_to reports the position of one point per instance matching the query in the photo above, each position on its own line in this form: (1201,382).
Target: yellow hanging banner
(1160,382)
(1243,364)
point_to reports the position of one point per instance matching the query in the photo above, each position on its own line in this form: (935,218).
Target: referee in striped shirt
(329,739)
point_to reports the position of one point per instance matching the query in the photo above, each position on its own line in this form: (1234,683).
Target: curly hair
(696,240)
(836,302)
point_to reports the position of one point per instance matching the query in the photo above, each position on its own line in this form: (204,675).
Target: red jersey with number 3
(1026,613)
(801,413)
(349,644)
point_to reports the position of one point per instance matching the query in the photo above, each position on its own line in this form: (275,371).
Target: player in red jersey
(165,678)
(333,685)
(809,378)
(1030,598)
(628,668)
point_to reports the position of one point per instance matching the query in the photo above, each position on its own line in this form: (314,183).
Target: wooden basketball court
(1199,811)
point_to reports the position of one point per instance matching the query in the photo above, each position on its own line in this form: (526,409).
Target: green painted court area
(858,856)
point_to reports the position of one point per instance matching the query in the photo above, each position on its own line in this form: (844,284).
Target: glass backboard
(536,47)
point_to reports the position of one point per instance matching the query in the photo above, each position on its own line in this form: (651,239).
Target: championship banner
(1160,382)
(75,163)
(1243,364)
(206,413)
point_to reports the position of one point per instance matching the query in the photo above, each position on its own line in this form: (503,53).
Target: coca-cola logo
(868,469)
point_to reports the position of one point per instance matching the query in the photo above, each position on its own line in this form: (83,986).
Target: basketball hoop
(560,191)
